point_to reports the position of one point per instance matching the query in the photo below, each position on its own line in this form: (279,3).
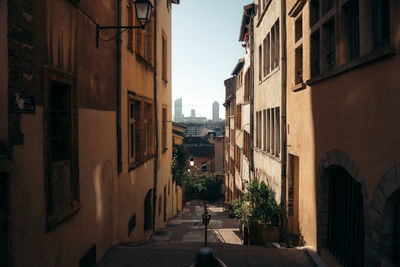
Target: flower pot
(255,234)
(270,234)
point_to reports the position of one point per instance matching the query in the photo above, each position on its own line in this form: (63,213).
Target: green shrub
(260,205)
(207,187)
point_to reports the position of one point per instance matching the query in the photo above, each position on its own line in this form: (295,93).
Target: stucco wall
(93,223)
(355,112)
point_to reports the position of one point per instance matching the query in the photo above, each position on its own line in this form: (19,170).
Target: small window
(299,64)
(314,12)
(298,28)
(329,45)
(132,129)
(381,22)
(315,54)
(326,6)
(353,31)
(260,62)
(164,57)
(264,129)
(164,128)
(129,11)
(277,44)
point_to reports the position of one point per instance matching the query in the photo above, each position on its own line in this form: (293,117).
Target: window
(246,143)
(299,64)
(298,29)
(329,55)
(145,41)
(381,22)
(164,129)
(129,11)
(271,134)
(315,52)
(268,137)
(326,6)
(272,149)
(246,86)
(238,116)
(353,31)
(314,12)
(276,50)
(148,129)
(267,58)
(140,129)
(260,62)
(61,141)
(133,113)
(164,57)
(273,36)
(277,132)
(237,158)
(258,129)
(264,130)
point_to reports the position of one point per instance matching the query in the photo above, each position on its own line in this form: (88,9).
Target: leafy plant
(259,205)
(206,186)
(179,160)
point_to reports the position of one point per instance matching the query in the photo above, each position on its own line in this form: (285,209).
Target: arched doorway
(342,197)
(384,214)
(345,220)
(390,230)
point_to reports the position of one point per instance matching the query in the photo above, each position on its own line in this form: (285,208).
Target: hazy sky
(205,49)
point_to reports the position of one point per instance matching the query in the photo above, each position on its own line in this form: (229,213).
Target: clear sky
(205,49)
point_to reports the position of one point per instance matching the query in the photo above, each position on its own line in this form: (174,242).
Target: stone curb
(318,261)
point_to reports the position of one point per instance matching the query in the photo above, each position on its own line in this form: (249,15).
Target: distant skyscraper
(215,111)
(178,109)
(193,113)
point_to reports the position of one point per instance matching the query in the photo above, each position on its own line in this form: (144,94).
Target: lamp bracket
(101,28)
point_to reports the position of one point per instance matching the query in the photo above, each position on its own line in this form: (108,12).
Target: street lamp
(143,10)
(191,161)
(206,219)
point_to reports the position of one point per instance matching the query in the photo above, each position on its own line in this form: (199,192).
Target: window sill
(299,87)
(145,62)
(53,223)
(368,58)
(137,163)
(269,75)
(277,158)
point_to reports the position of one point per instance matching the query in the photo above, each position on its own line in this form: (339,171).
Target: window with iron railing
(60,146)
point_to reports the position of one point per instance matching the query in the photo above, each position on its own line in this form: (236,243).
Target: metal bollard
(205,257)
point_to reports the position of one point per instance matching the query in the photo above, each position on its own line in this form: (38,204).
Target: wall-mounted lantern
(143,10)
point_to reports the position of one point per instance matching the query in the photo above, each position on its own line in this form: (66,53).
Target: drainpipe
(283,120)
(119,144)
(251,163)
(155,117)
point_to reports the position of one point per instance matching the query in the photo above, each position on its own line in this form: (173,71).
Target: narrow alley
(184,236)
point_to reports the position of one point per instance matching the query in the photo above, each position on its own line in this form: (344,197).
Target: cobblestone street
(184,236)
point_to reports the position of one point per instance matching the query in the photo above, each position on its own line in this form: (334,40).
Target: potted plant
(260,213)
